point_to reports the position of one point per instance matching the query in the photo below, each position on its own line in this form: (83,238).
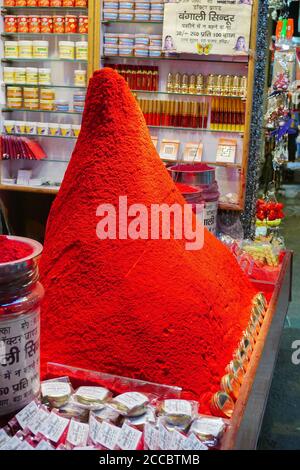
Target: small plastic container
(82,50)
(111,38)
(154,51)
(75,129)
(20,127)
(142,15)
(40,49)
(155,40)
(125,51)
(31,75)
(31,93)
(66,50)
(20,75)
(141,39)
(58,24)
(30,128)
(9,127)
(62,106)
(34,24)
(10,24)
(71,24)
(46,24)
(47,94)
(9,75)
(45,76)
(110,5)
(142,5)
(31,104)
(54,129)
(25,49)
(126,39)
(22,24)
(156,16)
(126,14)
(81,3)
(158,6)
(80,78)
(42,128)
(14,92)
(83,24)
(14,103)
(110,50)
(11,49)
(141,51)
(110,14)
(66,130)
(126,5)
(47,105)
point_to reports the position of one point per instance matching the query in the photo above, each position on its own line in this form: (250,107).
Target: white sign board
(207,27)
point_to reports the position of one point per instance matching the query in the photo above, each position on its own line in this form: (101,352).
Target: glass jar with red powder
(22,24)
(58,24)
(71,24)
(34,24)
(20,297)
(83,24)
(10,24)
(46,24)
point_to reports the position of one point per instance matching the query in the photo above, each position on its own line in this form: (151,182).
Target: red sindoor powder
(147,309)
(12,250)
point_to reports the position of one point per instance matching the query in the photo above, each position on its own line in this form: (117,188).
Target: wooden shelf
(28,189)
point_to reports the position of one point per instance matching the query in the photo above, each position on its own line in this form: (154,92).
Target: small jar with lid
(68,3)
(56,3)
(31,93)
(66,50)
(14,103)
(110,14)
(81,3)
(126,39)
(47,105)
(34,24)
(58,24)
(82,50)
(44,76)
(80,78)
(20,75)
(40,49)
(142,15)
(25,49)
(31,103)
(32,3)
(31,75)
(10,24)
(14,92)
(83,24)
(22,24)
(46,24)
(9,74)
(126,14)
(71,24)
(47,94)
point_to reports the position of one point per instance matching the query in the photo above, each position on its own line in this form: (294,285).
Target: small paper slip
(151,436)
(108,435)
(25,416)
(24,177)
(129,438)
(77,433)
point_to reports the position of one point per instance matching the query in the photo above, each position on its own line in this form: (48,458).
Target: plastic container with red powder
(200,177)
(20,297)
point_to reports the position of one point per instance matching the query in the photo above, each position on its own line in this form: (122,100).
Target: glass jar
(20,297)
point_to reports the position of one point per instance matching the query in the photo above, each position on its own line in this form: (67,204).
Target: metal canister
(221,404)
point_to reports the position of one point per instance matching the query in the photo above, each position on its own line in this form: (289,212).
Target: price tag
(27,414)
(129,438)
(151,436)
(108,435)
(54,427)
(77,433)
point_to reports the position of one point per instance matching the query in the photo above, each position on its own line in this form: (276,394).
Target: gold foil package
(236,368)
(56,393)
(230,385)
(208,428)
(222,405)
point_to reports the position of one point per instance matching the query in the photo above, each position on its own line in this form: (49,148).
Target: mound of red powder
(12,250)
(148,309)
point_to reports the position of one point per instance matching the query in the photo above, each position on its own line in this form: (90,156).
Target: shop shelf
(13,35)
(44,160)
(220,59)
(5,60)
(43,137)
(5,9)
(10,110)
(131,22)
(194,129)
(29,85)
(187,94)
(30,189)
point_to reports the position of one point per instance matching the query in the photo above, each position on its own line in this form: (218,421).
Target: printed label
(131,400)
(54,427)
(19,361)
(165,437)
(92,393)
(35,425)
(27,414)
(151,437)
(192,443)
(77,433)
(177,441)
(94,429)
(55,389)
(44,445)
(108,435)
(178,407)
(208,215)
(4,438)
(129,438)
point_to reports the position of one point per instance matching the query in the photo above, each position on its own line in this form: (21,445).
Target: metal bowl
(193,174)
